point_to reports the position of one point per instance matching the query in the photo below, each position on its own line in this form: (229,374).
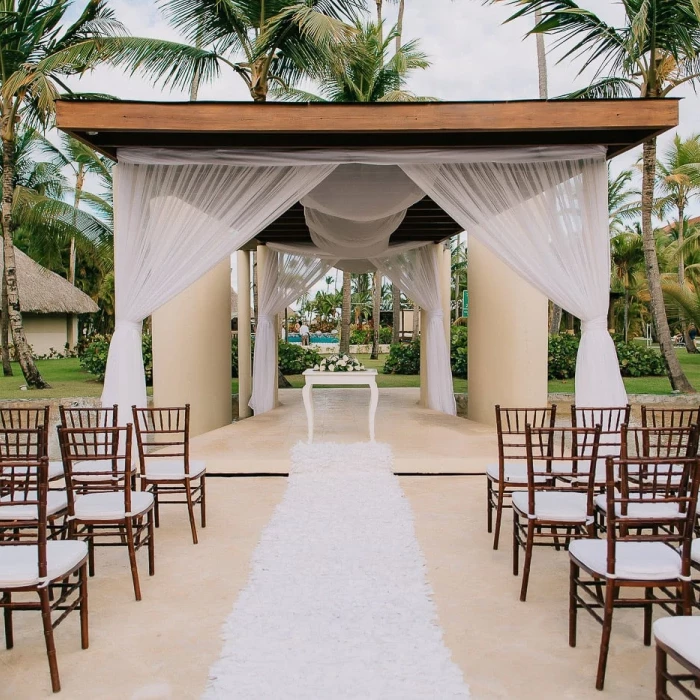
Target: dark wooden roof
(616,124)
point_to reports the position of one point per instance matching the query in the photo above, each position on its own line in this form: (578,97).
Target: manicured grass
(67,379)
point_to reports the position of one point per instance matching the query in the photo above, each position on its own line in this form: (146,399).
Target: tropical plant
(678,179)
(458,268)
(376,313)
(654,51)
(262,41)
(627,257)
(623,201)
(345,313)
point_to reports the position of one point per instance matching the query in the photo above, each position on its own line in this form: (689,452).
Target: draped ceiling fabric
(282,279)
(542,210)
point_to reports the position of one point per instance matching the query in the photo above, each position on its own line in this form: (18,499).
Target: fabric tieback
(599,323)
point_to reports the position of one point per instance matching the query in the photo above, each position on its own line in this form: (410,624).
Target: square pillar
(245,312)
(507,337)
(192,350)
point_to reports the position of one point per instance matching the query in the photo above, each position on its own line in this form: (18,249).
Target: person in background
(304,332)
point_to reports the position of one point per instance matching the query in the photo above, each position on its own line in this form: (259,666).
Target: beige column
(245,312)
(423,325)
(192,351)
(277,358)
(507,337)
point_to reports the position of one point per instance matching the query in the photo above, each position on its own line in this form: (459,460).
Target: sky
(473,55)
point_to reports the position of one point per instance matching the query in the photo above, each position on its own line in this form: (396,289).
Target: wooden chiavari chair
(549,505)
(651,511)
(29,561)
(659,417)
(509,474)
(679,638)
(102,507)
(33,418)
(163,438)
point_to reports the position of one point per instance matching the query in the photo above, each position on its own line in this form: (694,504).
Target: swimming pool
(322,338)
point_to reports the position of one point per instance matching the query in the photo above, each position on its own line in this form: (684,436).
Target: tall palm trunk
(689,344)
(5,330)
(679,381)
(626,320)
(345,314)
(416,321)
(395,313)
(79,182)
(376,309)
(22,349)
(399,23)
(254,256)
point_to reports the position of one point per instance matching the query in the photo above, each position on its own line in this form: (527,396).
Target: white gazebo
(361,187)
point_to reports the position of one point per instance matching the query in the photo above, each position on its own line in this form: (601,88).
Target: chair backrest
(27,418)
(510,428)
(610,421)
(24,480)
(657,417)
(659,443)
(163,433)
(72,417)
(652,500)
(103,455)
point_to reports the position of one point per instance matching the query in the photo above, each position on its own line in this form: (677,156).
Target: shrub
(234,354)
(458,351)
(294,359)
(636,360)
(561,361)
(404,358)
(93,355)
(364,336)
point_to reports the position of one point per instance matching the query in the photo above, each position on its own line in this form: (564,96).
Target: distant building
(50,306)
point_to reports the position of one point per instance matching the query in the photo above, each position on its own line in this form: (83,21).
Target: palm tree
(623,201)
(653,52)
(395,314)
(458,268)
(345,313)
(678,179)
(278,41)
(376,313)
(627,257)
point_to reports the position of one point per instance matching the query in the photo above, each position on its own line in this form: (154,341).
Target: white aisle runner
(337,605)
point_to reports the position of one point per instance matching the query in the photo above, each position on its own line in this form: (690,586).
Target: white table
(368,377)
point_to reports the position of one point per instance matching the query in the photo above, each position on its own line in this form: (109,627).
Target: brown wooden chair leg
(9,636)
(132,559)
(661,668)
(190,510)
(648,613)
(156,505)
(151,546)
(203,501)
(574,573)
(48,638)
(91,550)
(687,595)
(499,515)
(516,546)
(489,506)
(528,559)
(84,634)
(607,629)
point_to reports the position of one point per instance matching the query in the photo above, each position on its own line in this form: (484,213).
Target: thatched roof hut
(44,292)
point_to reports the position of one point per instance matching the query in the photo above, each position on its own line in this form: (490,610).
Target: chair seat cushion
(19,565)
(634,561)
(159,468)
(682,635)
(557,506)
(56,501)
(639,509)
(110,505)
(695,551)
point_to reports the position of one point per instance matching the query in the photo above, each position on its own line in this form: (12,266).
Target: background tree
(627,257)
(345,313)
(678,181)
(653,52)
(376,313)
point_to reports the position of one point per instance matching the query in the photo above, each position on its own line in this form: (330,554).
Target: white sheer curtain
(416,273)
(282,278)
(549,222)
(173,223)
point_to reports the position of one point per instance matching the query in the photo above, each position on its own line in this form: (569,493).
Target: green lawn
(67,379)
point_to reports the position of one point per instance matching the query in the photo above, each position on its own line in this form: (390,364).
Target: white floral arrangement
(339,363)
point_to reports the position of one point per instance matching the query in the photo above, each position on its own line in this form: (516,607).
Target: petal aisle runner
(337,604)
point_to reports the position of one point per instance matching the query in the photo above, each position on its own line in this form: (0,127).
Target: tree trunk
(396,314)
(679,381)
(626,320)
(254,256)
(378,3)
(79,182)
(5,329)
(399,24)
(555,323)
(689,344)
(282,381)
(24,353)
(345,314)
(416,321)
(376,310)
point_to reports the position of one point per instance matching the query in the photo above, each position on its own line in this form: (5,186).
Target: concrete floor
(162,647)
